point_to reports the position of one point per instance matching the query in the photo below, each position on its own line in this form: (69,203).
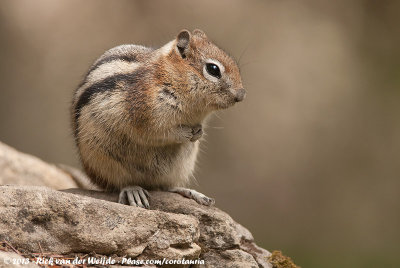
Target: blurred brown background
(310,162)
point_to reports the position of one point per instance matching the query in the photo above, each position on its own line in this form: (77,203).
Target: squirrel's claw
(193,194)
(135,195)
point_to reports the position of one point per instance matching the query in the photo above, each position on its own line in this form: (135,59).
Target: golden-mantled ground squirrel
(137,116)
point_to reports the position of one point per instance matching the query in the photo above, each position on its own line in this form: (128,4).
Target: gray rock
(38,218)
(22,169)
(11,259)
(218,231)
(233,258)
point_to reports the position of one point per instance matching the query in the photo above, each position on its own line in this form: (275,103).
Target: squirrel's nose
(240,94)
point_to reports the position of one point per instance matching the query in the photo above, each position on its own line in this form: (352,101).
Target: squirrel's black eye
(213,70)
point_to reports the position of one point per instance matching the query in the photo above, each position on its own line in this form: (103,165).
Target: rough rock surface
(35,218)
(219,234)
(79,221)
(38,218)
(22,169)
(11,259)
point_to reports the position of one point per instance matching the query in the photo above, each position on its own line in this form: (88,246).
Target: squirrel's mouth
(225,104)
(230,98)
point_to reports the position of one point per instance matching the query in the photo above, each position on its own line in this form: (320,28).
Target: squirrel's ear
(183,40)
(200,33)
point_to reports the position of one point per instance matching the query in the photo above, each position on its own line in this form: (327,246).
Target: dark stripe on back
(107,84)
(127,58)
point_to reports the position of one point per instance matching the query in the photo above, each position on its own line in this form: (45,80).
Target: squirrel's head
(214,76)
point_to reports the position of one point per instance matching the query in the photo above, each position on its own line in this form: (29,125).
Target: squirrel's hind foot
(135,196)
(193,194)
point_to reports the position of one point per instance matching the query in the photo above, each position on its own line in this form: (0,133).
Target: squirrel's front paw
(197,132)
(190,133)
